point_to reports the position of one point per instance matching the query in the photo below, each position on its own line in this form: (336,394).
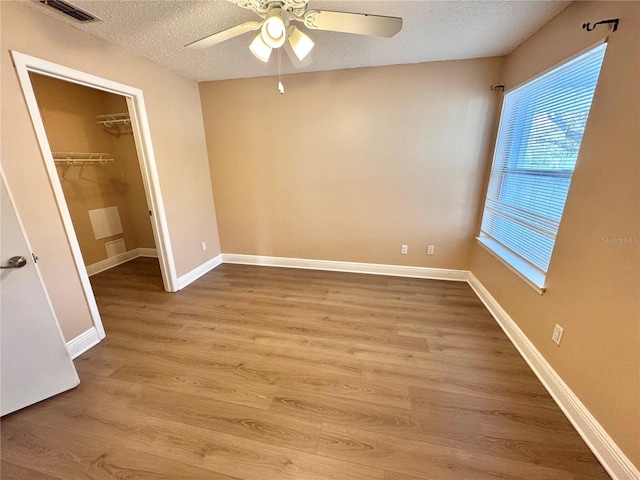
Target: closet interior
(90,135)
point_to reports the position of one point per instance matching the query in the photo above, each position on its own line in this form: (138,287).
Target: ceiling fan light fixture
(276,30)
(300,42)
(260,50)
(273,29)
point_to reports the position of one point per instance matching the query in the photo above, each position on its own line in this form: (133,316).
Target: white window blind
(539,137)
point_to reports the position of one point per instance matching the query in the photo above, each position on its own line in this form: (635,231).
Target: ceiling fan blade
(224,35)
(358,23)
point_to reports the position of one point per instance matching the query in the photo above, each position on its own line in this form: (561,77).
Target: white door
(34,363)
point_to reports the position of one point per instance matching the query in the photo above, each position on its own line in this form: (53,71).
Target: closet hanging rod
(82,156)
(71,161)
(80,159)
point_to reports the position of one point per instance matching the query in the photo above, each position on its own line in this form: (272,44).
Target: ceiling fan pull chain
(280,85)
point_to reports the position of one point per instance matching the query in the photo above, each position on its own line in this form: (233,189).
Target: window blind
(539,137)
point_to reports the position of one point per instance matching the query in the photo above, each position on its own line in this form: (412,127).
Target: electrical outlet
(557,334)
(204,246)
(431,249)
(404,250)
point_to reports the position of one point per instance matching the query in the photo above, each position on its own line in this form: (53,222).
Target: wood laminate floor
(260,373)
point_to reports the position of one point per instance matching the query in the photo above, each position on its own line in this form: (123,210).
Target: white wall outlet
(557,334)
(431,249)
(404,250)
(204,246)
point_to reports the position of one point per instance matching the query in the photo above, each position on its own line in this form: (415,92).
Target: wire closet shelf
(115,123)
(80,159)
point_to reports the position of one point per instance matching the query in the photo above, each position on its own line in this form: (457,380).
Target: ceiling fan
(277,29)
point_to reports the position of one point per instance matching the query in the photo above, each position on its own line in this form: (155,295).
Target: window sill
(526,272)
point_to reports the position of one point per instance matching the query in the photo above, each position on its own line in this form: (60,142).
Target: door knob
(15,262)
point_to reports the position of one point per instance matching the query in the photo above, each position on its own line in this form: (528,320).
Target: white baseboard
(197,272)
(147,252)
(352,267)
(83,342)
(615,462)
(111,262)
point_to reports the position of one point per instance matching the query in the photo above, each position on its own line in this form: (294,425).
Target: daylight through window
(539,138)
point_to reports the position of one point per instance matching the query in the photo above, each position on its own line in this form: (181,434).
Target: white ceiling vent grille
(70,10)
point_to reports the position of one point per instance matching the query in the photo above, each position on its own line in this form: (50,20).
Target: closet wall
(127,158)
(69,113)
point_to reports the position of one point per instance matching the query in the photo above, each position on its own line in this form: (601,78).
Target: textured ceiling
(432,31)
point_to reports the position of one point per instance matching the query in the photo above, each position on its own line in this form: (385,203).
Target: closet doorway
(91,139)
(94,138)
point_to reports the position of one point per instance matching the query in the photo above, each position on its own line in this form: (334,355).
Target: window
(539,137)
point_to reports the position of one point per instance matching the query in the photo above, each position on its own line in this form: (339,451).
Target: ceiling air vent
(70,10)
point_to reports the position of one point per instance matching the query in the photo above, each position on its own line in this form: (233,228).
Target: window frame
(526,270)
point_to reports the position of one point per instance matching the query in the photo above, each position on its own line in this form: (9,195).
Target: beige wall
(349,165)
(175,120)
(69,116)
(593,287)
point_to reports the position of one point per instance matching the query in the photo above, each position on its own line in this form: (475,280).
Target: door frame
(25,64)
